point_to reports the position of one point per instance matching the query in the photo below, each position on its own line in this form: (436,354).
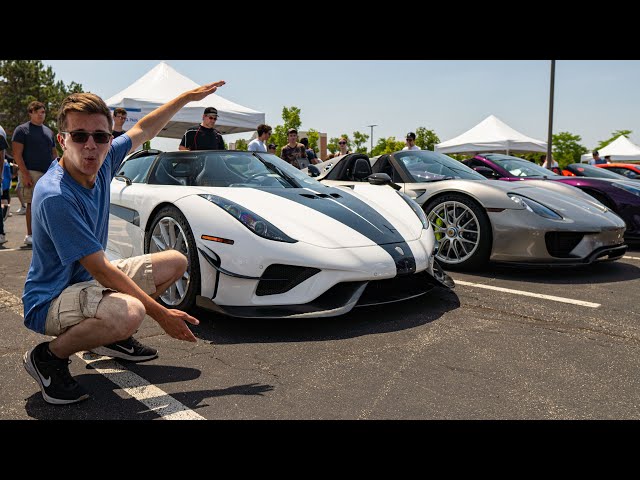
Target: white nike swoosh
(125,349)
(45,381)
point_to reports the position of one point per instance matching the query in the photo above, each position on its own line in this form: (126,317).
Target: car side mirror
(313,171)
(382,179)
(486,172)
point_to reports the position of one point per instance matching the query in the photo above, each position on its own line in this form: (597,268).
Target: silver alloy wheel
(457,231)
(168,235)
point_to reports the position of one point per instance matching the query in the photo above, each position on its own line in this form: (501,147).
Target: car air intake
(560,244)
(279,278)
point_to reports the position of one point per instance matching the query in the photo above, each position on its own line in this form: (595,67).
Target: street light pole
(372,135)
(550,133)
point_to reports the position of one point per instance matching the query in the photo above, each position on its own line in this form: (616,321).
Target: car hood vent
(320,195)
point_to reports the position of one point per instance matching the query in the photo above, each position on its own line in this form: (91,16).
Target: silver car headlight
(252,221)
(534,207)
(416,209)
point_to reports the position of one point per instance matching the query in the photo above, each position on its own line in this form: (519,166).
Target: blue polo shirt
(69,222)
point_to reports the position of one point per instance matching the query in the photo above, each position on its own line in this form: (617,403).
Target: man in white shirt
(411,142)
(259,144)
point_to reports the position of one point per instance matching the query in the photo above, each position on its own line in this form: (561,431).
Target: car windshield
(583,170)
(519,167)
(229,169)
(427,166)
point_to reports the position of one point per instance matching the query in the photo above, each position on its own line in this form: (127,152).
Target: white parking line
(530,294)
(13,249)
(632,258)
(167,407)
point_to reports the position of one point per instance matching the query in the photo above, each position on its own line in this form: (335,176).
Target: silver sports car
(476,220)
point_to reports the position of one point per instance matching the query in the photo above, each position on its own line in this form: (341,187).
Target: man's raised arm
(150,125)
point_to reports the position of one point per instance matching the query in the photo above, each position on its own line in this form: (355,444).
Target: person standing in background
(342,147)
(119,117)
(203,136)
(258,144)
(34,148)
(311,154)
(410,141)
(294,152)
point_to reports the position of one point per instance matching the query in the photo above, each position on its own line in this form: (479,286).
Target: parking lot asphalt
(485,350)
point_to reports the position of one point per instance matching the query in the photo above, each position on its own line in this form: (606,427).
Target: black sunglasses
(342,143)
(78,136)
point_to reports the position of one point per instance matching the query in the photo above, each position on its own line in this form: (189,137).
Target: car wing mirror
(382,179)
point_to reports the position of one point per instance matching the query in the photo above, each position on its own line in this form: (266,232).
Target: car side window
(136,169)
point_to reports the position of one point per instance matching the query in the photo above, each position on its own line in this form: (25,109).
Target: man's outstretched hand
(206,90)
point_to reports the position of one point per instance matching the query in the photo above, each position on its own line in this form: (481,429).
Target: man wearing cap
(410,140)
(597,160)
(203,136)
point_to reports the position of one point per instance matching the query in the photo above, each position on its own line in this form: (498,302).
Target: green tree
(387,145)
(567,149)
(360,141)
(313,137)
(242,144)
(426,139)
(22,82)
(614,135)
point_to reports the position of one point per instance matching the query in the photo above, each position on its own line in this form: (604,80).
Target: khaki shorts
(27,192)
(81,300)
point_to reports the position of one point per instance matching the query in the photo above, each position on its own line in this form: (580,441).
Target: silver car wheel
(457,231)
(168,235)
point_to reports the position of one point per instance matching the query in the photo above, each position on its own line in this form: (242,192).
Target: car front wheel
(462,229)
(170,231)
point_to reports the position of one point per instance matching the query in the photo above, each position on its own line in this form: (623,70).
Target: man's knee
(124,312)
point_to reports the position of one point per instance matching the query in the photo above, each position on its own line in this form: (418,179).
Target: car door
(126,235)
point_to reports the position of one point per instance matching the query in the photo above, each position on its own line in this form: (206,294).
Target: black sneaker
(129,349)
(52,374)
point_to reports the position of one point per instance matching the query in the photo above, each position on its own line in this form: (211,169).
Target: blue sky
(593,98)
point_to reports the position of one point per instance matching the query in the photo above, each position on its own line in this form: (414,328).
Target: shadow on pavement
(360,321)
(604,272)
(111,403)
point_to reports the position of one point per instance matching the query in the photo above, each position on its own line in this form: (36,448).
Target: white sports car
(263,239)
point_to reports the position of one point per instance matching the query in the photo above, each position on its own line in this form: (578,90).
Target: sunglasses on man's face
(212,117)
(78,136)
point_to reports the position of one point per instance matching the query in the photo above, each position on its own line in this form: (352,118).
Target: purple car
(620,195)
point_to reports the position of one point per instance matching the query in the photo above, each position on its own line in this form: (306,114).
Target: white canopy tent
(620,150)
(491,135)
(161,84)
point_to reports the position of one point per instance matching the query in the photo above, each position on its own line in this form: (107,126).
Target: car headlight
(416,209)
(253,222)
(628,188)
(534,207)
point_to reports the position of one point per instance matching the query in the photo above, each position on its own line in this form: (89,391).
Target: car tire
(464,234)
(168,224)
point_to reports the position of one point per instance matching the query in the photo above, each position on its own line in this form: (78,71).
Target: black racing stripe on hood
(352,212)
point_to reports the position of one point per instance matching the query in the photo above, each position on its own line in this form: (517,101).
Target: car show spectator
(259,144)
(410,141)
(294,152)
(119,117)
(342,147)
(203,136)
(34,148)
